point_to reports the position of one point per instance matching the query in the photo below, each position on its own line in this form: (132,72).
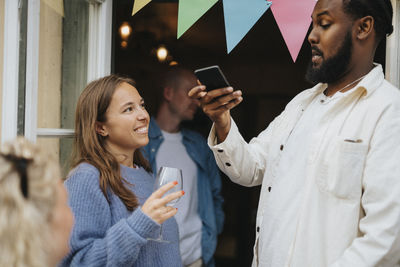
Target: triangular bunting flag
(189,11)
(138,5)
(293,19)
(240,16)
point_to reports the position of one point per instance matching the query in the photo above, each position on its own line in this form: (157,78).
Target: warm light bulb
(162,53)
(125,30)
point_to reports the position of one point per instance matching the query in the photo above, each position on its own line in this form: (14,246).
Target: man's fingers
(216,93)
(234,102)
(196,91)
(224,100)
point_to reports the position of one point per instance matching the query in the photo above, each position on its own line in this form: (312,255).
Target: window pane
(63,54)
(60,149)
(62,62)
(23,14)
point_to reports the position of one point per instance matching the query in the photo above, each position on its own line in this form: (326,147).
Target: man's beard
(334,68)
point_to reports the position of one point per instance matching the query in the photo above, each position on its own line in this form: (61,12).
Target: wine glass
(166,175)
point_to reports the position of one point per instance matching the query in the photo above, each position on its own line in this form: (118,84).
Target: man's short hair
(173,75)
(380,10)
(169,76)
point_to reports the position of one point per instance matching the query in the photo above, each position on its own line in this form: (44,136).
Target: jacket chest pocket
(341,170)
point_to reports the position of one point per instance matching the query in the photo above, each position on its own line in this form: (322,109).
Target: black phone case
(212,77)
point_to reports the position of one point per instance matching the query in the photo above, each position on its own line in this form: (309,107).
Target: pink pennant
(293,19)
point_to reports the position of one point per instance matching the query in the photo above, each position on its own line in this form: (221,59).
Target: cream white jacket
(351,211)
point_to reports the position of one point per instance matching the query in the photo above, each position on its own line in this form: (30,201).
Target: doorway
(260,65)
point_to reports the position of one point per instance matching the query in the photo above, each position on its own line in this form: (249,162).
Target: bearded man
(328,164)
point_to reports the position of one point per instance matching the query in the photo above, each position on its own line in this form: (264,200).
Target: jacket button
(258,229)
(269,189)
(220,150)
(228,164)
(281,148)
(153,150)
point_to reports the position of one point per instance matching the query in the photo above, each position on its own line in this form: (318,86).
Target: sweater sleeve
(95,241)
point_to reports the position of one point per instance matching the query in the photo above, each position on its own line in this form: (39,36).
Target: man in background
(200,217)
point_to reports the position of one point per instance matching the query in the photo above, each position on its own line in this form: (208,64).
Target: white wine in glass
(166,175)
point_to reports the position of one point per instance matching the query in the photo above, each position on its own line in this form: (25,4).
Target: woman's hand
(155,206)
(216,104)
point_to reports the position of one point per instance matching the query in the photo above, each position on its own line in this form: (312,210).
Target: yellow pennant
(138,5)
(56,5)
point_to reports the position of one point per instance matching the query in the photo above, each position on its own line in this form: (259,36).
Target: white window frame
(393,48)
(99,60)
(9,120)
(100,35)
(32,69)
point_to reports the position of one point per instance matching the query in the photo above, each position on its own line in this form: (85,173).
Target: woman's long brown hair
(90,147)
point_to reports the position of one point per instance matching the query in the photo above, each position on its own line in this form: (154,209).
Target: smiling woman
(111,188)
(125,128)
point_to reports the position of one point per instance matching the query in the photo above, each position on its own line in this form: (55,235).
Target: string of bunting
(293,18)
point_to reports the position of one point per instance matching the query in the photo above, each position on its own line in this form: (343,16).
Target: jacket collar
(369,84)
(373,80)
(155,131)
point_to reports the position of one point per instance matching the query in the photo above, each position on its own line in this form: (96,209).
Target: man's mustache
(316,52)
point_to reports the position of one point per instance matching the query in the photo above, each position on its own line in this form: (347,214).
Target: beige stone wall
(1,54)
(50,66)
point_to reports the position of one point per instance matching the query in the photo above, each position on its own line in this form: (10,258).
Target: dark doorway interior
(260,66)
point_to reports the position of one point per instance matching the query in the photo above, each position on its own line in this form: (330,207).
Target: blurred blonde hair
(25,221)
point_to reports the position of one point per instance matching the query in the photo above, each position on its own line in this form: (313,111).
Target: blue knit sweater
(107,234)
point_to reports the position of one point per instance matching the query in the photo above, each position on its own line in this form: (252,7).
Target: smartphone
(212,77)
